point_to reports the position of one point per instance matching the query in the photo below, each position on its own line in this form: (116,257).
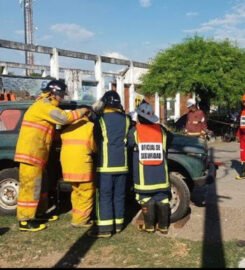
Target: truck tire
(180,201)
(9,188)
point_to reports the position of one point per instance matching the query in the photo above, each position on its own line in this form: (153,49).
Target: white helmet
(133,115)
(190,102)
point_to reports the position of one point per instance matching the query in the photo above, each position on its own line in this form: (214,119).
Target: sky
(129,29)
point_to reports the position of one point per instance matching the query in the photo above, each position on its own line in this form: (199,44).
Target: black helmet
(57,87)
(112,99)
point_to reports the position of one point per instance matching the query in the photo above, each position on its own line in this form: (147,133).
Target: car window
(9,119)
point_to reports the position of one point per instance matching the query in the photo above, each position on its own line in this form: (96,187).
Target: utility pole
(27,7)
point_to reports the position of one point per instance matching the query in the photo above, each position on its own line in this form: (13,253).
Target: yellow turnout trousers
(30,198)
(82,200)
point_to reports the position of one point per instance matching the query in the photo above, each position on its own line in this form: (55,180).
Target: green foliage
(35,75)
(213,70)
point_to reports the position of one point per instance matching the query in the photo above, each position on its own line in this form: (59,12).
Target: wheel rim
(9,189)
(175,200)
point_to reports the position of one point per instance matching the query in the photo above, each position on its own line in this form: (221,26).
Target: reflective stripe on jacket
(242,120)
(76,151)
(37,130)
(111,131)
(149,178)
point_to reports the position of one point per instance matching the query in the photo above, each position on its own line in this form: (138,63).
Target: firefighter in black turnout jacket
(110,132)
(149,141)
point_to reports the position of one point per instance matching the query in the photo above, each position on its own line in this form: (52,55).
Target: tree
(215,71)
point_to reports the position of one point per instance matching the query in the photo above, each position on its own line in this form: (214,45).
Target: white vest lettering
(150,151)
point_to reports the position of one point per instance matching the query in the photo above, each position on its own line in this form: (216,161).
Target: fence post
(54,64)
(99,78)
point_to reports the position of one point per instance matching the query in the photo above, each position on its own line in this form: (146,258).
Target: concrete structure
(125,82)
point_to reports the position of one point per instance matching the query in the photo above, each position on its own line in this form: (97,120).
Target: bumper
(209,177)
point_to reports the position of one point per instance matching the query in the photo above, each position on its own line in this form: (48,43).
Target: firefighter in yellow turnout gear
(77,152)
(32,149)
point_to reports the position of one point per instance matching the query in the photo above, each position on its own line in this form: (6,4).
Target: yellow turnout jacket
(37,130)
(77,150)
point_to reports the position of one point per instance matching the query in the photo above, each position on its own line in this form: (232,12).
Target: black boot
(242,174)
(243,170)
(148,211)
(31,226)
(163,216)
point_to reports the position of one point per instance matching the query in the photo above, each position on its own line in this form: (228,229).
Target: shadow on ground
(213,250)
(3,230)
(77,252)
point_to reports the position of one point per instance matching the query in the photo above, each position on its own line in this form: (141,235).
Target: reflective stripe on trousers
(110,200)
(29,191)
(161,196)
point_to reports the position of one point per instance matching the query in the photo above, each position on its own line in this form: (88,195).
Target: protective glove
(98,106)
(83,111)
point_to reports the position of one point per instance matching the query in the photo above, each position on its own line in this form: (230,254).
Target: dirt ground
(223,217)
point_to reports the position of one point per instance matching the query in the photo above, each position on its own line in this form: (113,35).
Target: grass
(60,245)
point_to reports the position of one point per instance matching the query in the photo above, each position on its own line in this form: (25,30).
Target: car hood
(187,144)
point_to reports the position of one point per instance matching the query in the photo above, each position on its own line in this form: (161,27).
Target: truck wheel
(9,188)
(180,200)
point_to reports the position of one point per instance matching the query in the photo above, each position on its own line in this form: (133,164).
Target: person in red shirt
(240,135)
(196,124)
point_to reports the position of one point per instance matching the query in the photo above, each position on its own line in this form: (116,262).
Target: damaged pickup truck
(188,160)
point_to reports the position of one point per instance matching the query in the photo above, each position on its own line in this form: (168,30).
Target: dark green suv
(188,162)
